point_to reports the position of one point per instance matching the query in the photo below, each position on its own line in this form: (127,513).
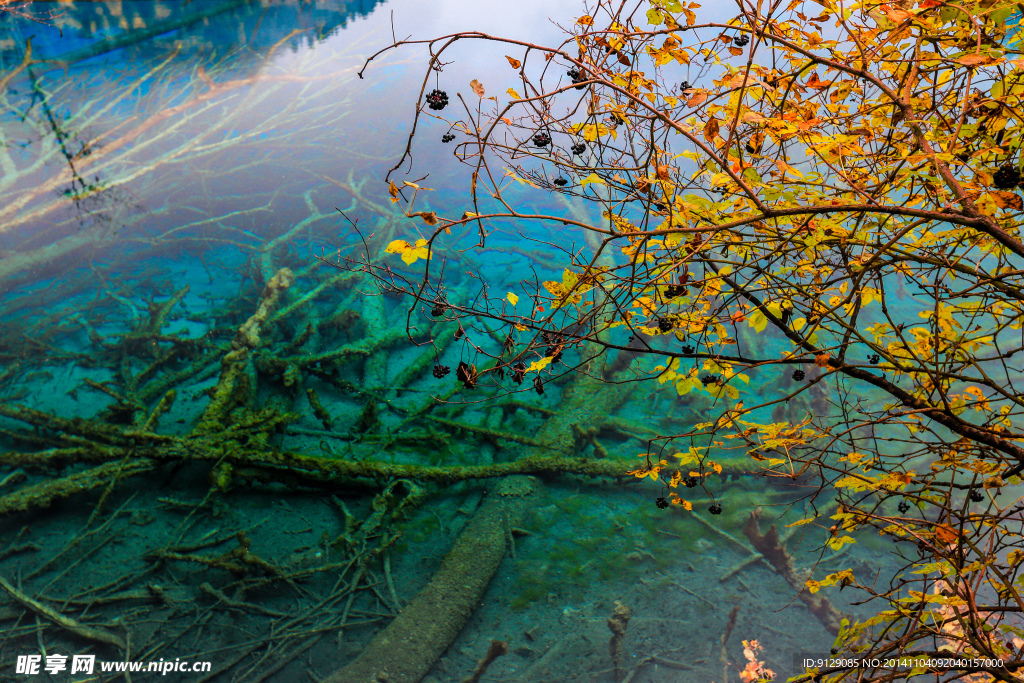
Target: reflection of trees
(150,29)
(74,151)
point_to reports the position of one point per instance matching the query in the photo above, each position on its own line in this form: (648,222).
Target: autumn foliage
(809,217)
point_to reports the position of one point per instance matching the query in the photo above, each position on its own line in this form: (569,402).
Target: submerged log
(406,650)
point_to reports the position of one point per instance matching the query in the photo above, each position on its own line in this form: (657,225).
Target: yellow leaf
(592,178)
(512,298)
(539,365)
(585,20)
(801,522)
(758,321)
(410,254)
(838,543)
(513,94)
(554,288)
(398,247)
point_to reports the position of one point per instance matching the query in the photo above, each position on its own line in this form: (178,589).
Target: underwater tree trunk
(406,650)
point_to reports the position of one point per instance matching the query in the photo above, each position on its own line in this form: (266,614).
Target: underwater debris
(775,552)
(617,624)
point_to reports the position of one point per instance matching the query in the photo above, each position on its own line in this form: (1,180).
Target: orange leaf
(585,20)
(1008,200)
(896,15)
(813,81)
(821,360)
(711,129)
(977,60)
(697,99)
(514,62)
(429,217)
(945,533)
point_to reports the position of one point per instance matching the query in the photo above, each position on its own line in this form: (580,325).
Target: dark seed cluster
(441,370)
(560,182)
(438,310)
(976,497)
(672,291)
(437,99)
(664,324)
(715,509)
(688,349)
(903,507)
(447,137)
(690,482)
(741,41)
(1007,177)
(661,503)
(684,86)
(576,77)
(874,358)
(710,379)
(578,148)
(799,375)
(542,139)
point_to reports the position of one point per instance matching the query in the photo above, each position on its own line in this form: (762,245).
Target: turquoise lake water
(175,490)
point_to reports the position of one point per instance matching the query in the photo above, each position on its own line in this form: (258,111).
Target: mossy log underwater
(266,373)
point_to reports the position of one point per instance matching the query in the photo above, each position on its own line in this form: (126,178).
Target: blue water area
(218,448)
